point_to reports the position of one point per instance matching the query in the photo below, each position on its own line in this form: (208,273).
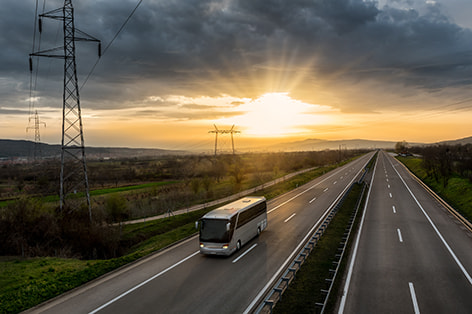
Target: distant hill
(24,149)
(317,144)
(462,141)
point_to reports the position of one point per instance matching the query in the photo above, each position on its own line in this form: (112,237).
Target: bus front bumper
(216,249)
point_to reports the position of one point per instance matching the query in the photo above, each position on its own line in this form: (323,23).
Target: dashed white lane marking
(394,209)
(325,190)
(413,298)
(241,256)
(456,259)
(390,194)
(314,198)
(293,215)
(399,235)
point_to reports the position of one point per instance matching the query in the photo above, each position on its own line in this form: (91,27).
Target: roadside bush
(28,230)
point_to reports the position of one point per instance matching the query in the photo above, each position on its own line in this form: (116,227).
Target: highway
(411,255)
(180,280)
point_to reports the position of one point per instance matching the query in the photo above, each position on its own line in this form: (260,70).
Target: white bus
(225,229)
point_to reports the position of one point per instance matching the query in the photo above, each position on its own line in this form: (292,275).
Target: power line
(111,42)
(30,63)
(33,85)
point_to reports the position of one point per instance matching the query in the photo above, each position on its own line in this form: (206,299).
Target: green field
(99,192)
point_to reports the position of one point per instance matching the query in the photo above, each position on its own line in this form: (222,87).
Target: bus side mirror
(228,225)
(196,224)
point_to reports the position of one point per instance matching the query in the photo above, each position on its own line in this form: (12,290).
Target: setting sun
(277,115)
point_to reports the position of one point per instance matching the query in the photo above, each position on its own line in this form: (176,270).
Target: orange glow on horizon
(277,115)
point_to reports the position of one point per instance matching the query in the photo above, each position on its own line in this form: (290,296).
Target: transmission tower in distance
(37,138)
(73,179)
(218,131)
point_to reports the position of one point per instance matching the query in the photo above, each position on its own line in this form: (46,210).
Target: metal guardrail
(341,250)
(282,284)
(284,281)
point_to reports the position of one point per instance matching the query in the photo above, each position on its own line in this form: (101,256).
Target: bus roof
(229,210)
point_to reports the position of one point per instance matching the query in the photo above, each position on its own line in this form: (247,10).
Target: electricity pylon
(73,178)
(37,138)
(230,131)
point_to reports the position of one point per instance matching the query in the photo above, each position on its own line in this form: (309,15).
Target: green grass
(25,283)
(36,280)
(98,192)
(130,188)
(458,192)
(305,290)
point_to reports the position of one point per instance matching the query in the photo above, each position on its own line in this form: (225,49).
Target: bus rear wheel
(258,231)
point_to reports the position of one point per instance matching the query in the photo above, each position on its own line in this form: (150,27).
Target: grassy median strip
(305,290)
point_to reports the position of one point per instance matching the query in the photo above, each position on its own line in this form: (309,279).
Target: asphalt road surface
(411,256)
(180,280)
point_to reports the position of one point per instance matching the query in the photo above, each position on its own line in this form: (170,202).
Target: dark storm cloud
(189,42)
(204,47)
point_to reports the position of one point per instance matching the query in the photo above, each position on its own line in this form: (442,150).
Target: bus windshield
(214,230)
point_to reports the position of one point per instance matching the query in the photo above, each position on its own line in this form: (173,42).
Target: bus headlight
(225,246)
(202,245)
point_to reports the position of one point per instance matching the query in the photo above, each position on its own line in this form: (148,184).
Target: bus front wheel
(238,245)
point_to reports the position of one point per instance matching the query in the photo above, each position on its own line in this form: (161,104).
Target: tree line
(30,227)
(441,162)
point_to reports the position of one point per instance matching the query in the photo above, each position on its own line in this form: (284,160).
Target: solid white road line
(413,298)
(290,257)
(399,235)
(456,259)
(248,250)
(144,282)
(293,215)
(356,246)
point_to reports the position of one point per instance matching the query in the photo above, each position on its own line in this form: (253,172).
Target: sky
(275,70)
